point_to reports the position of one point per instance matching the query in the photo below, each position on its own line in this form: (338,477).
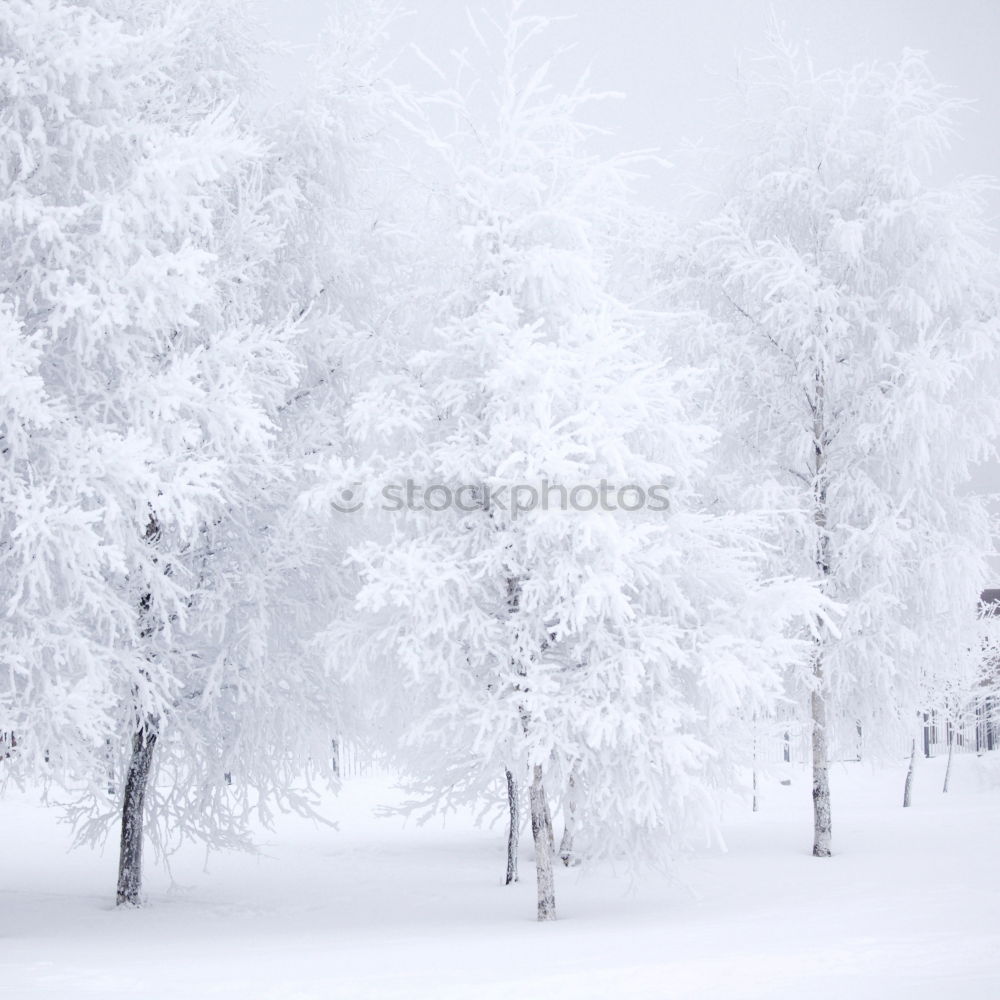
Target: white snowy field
(909,907)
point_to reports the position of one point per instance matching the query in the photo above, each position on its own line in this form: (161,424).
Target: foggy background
(674,59)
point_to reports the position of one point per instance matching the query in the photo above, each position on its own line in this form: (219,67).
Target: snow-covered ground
(909,907)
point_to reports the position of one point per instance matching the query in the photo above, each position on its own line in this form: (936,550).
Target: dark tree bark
(147,728)
(514,829)
(541,831)
(136,780)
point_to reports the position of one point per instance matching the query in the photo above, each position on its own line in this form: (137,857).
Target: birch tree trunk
(541,818)
(136,779)
(550,826)
(109,756)
(822,818)
(569,827)
(908,787)
(951,750)
(513,831)
(541,831)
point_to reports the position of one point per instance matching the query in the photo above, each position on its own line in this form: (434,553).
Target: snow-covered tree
(138,416)
(856,361)
(547,598)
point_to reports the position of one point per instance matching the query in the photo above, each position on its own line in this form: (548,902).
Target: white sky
(674,58)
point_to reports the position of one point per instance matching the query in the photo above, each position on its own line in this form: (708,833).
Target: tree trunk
(550,826)
(908,787)
(569,827)
(541,818)
(951,750)
(136,779)
(822,820)
(147,728)
(514,829)
(110,758)
(541,832)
